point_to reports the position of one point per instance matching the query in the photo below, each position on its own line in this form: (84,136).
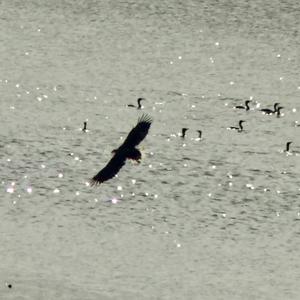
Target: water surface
(216,218)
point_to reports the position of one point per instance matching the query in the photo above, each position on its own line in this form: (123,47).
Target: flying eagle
(127,150)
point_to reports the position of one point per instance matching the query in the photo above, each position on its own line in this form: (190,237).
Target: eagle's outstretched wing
(110,170)
(138,133)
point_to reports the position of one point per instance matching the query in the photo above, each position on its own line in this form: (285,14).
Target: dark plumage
(287,149)
(268,111)
(200,134)
(126,151)
(240,128)
(183,131)
(138,102)
(84,129)
(244,107)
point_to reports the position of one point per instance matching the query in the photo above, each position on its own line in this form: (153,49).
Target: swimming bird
(183,131)
(127,150)
(278,111)
(200,134)
(138,102)
(244,107)
(84,129)
(287,149)
(240,128)
(268,111)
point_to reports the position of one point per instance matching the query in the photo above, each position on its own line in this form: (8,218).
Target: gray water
(216,218)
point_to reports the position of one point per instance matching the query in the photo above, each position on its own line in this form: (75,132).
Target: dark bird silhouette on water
(287,149)
(240,128)
(200,134)
(127,150)
(268,111)
(278,111)
(247,107)
(84,129)
(183,131)
(138,102)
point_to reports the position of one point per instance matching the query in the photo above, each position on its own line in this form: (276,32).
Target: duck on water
(240,128)
(84,129)
(246,107)
(200,134)
(287,147)
(183,131)
(139,106)
(268,111)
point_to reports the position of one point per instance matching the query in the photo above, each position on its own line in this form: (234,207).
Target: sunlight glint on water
(198,218)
